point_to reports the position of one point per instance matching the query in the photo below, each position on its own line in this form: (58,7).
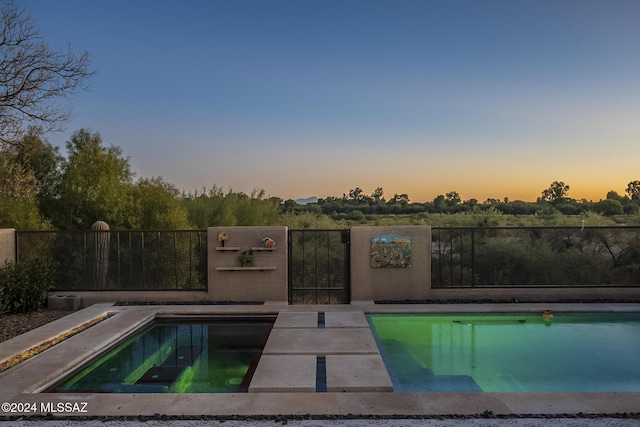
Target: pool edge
(373,403)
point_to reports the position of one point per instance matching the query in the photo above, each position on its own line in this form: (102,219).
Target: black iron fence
(535,256)
(319,268)
(121,260)
(461,257)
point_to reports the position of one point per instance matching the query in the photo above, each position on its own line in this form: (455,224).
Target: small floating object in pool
(547,314)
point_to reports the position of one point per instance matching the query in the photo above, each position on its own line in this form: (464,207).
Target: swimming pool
(179,356)
(573,352)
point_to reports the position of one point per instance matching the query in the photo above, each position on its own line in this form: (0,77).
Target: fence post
(100,251)
(473,257)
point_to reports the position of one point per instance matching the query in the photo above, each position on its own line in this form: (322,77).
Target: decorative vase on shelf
(268,242)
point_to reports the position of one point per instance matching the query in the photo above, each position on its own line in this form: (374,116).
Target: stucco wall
(369,283)
(265,281)
(7,246)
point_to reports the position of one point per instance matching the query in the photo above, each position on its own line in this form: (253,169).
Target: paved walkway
(474,422)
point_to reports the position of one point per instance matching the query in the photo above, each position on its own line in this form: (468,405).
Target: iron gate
(319,270)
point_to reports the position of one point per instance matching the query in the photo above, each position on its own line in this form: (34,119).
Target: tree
(633,190)
(16,180)
(33,77)
(399,199)
(356,195)
(28,173)
(378,195)
(289,206)
(96,185)
(471,203)
(609,207)
(556,192)
(18,202)
(44,161)
(613,195)
(157,206)
(452,198)
(439,203)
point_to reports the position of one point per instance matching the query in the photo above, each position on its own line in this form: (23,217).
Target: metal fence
(461,257)
(319,268)
(121,260)
(535,256)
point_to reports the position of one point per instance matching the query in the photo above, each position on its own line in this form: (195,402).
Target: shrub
(24,285)
(501,262)
(577,268)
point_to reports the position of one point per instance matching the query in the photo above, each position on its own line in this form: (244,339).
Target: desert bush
(582,268)
(499,262)
(24,285)
(537,256)
(217,207)
(306,220)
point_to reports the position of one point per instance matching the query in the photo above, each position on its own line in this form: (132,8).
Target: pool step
(418,378)
(167,373)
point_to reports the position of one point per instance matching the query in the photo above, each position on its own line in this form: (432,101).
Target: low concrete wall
(265,280)
(384,283)
(87,298)
(7,246)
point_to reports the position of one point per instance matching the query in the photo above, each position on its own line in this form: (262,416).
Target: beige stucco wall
(368,283)
(7,246)
(269,284)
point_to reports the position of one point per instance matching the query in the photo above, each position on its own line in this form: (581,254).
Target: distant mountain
(312,199)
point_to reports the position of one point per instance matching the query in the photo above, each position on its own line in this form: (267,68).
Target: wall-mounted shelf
(261,248)
(246,268)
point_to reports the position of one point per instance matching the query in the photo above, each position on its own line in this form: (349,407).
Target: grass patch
(39,348)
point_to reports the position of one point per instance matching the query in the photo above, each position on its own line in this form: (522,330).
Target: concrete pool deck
(396,422)
(356,382)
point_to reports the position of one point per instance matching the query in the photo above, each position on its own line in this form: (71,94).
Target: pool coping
(21,384)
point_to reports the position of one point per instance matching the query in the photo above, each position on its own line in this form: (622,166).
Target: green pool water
(581,352)
(178,356)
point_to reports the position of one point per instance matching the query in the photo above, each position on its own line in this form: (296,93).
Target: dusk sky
(490,98)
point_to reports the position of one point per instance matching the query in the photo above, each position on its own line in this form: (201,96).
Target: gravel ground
(12,325)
